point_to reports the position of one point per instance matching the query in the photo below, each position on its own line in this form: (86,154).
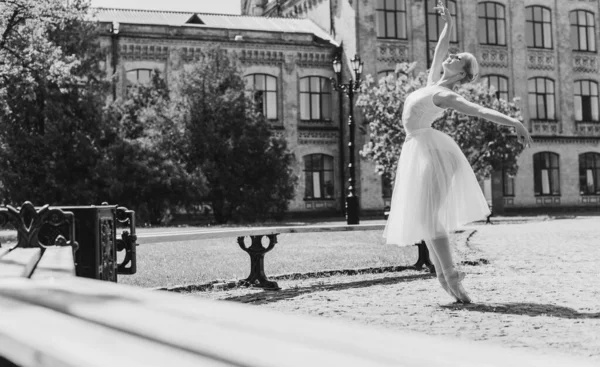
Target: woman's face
(454,64)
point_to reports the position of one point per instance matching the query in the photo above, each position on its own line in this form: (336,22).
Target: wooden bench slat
(19,262)
(55,262)
(155,237)
(31,335)
(250,336)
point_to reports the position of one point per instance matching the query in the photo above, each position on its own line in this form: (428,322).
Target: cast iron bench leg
(424,258)
(257,277)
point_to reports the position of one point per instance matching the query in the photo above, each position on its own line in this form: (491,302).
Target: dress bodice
(419,110)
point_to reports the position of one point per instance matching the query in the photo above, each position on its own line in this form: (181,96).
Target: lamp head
(337,66)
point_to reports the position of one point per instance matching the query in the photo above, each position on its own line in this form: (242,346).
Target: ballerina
(436,190)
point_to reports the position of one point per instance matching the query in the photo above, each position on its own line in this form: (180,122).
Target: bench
(257,251)
(30,258)
(90,230)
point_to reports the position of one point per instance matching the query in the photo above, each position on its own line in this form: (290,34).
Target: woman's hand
(523,135)
(444,12)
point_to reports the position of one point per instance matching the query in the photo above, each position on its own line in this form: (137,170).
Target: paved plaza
(534,285)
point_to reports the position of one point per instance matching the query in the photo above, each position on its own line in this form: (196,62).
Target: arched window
(491,24)
(541,98)
(315,99)
(499,82)
(538,31)
(589,173)
(583,30)
(318,176)
(264,88)
(385,74)
(391,19)
(586,100)
(435,23)
(546,174)
(138,76)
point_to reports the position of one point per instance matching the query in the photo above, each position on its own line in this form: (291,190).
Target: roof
(201,20)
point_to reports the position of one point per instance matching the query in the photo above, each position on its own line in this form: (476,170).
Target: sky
(200,6)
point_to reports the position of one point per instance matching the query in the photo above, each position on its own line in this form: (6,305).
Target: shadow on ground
(265,297)
(527,309)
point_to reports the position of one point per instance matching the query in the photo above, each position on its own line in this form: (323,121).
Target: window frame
(265,93)
(322,81)
(322,171)
(395,12)
(488,19)
(129,82)
(430,13)
(583,184)
(383,74)
(580,94)
(541,22)
(578,27)
(545,97)
(553,186)
(499,91)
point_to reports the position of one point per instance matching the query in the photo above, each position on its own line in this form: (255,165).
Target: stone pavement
(534,285)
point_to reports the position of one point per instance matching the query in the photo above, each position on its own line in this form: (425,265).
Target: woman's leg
(440,244)
(453,277)
(439,272)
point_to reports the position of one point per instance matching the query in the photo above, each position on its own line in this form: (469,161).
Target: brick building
(543,51)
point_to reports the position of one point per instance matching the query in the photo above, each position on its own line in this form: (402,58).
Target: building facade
(542,51)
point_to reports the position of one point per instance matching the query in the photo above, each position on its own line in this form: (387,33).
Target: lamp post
(349,89)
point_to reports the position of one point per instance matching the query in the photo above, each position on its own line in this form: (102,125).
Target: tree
(247,170)
(52,129)
(144,166)
(487,146)
(29,50)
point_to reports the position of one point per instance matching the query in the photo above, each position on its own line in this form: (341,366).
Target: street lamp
(349,89)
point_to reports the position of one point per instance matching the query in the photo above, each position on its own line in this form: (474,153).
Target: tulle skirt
(435,190)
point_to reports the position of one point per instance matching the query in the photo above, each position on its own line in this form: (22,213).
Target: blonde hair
(471,68)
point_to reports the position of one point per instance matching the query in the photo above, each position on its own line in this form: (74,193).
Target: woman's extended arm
(449,99)
(441,49)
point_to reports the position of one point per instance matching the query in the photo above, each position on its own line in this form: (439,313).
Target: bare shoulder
(445,98)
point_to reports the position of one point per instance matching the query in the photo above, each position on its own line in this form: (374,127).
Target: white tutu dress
(435,189)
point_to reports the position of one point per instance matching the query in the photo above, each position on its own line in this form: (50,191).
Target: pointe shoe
(454,280)
(444,285)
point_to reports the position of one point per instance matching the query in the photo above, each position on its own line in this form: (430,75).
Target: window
(139,76)
(384,74)
(391,19)
(491,24)
(589,173)
(500,83)
(541,99)
(318,174)
(583,30)
(586,100)
(546,174)
(435,23)
(315,99)
(508,184)
(264,88)
(538,28)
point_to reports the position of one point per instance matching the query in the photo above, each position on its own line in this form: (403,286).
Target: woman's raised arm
(441,49)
